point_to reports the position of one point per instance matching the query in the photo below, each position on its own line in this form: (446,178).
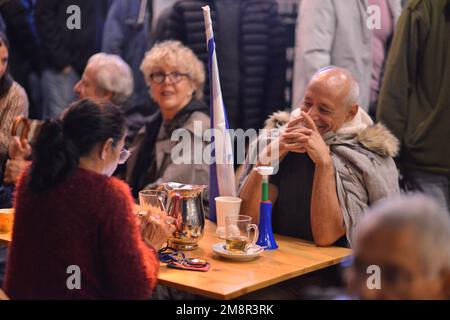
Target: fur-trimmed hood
(374,137)
(379,139)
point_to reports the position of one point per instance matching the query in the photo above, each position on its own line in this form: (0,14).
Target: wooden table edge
(5,238)
(240,292)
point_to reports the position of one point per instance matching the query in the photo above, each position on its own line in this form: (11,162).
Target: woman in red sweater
(75,235)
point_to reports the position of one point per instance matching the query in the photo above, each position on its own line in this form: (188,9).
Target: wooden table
(5,237)
(231,279)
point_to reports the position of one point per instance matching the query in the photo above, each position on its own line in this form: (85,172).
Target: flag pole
(222,181)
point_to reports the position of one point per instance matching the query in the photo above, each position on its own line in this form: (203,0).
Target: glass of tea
(149,201)
(238,233)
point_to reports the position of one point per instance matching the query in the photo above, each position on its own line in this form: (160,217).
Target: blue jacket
(127,33)
(61,46)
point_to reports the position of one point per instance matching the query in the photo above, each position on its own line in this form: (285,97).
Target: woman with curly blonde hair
(175,77)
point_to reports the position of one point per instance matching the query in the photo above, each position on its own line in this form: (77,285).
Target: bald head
(340,82)
(331,99)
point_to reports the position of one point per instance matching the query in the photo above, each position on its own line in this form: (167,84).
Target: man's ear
(105,148)
(351,113)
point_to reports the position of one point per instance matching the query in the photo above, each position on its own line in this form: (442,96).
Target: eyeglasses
(124,155)
(174,77)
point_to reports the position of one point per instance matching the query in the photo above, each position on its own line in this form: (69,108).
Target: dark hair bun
(60,144)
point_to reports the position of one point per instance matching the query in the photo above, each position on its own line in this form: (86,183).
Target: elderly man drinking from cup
(333,164)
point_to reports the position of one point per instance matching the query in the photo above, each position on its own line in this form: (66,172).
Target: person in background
(407,239)
(251,51)
(25,60)
(66,46)
(176,78)
(332,164)
(414,100)
(334,32)
(70,212)
(106,78)
(13,103)
(127,33)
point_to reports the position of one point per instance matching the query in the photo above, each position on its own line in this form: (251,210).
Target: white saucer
(252,253)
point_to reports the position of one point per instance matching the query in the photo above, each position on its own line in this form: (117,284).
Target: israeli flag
(221,171)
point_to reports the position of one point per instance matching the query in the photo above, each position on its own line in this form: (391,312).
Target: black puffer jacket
(261,55)
(63,47)
(21,31)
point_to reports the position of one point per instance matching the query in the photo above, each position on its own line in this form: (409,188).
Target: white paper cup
(226,206)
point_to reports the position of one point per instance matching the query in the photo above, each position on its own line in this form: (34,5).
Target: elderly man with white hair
(332,163)
(407,238)
(106,78)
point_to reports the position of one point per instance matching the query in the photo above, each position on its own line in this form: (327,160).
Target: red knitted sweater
(88,222)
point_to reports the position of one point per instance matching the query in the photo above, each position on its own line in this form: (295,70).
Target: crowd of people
(370,121)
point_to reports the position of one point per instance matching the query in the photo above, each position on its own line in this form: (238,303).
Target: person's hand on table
(156,230)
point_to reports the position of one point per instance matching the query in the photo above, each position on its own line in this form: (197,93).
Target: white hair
(353,93)
(430,221)
(112,74)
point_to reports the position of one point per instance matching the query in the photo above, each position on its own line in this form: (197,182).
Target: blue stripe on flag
(213,183)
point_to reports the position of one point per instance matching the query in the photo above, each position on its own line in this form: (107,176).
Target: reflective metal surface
(183,202)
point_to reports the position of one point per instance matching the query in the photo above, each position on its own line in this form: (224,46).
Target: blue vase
(266,238)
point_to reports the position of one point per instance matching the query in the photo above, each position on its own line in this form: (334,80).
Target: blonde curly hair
(176,55)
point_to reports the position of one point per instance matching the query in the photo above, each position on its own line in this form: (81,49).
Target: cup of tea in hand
(239,238)
(150,203)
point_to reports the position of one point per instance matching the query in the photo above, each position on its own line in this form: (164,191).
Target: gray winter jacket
(362,156)
(334,32)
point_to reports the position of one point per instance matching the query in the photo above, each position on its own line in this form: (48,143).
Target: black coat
(63,47)
(261,56)
(21,32)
